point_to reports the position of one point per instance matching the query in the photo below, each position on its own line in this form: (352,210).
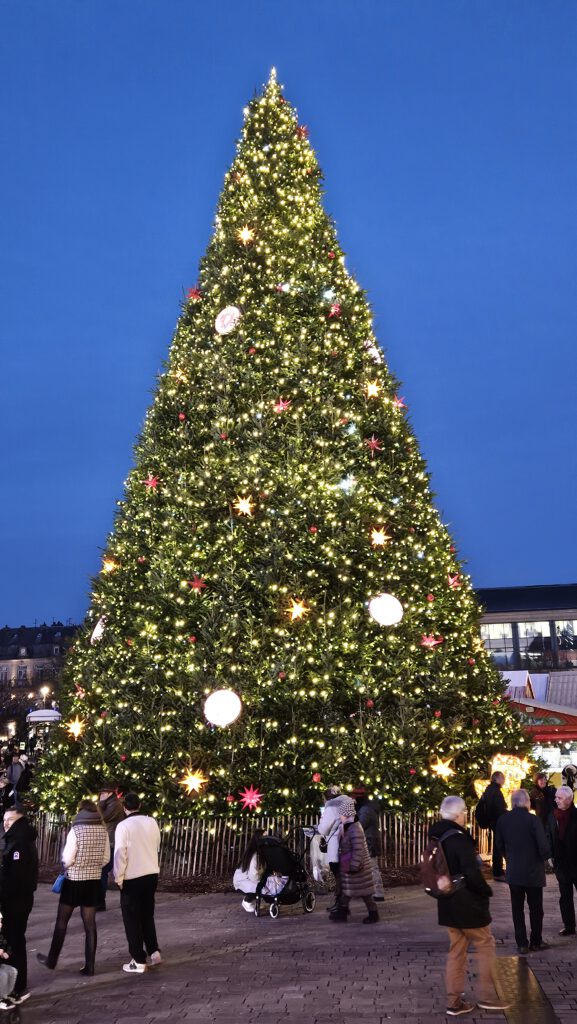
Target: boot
(340,914)
(372,918)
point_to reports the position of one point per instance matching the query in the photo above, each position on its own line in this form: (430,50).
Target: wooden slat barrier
(213,846)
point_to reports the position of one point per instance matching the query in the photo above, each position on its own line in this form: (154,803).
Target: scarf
(87,818)
(562,819)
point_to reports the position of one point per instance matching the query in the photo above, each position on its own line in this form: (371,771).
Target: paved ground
(224,966)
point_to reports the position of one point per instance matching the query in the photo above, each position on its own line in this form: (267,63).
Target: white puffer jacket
(330,823)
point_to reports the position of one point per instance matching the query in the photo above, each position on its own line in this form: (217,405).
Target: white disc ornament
(222,707)
(98,630)
(386,609)
(227,319)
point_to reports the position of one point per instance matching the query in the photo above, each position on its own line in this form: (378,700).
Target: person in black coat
(18,885)
(542,797)
(465,913)
(520,837)
(562,835)
(496,806)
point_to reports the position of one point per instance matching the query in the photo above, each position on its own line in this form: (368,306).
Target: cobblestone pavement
(223,965)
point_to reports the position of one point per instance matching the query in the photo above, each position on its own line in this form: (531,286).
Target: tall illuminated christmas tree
(277,490)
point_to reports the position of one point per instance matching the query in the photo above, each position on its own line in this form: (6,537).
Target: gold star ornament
(372,388)
(193,780)
(297,610)
(75,728)
(244,506)
(245,235)
(442,769)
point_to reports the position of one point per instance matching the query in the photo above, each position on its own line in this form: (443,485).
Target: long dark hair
(251,849)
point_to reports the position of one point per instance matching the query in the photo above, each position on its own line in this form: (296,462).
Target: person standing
(355,866)
(136,872)
(562,835)
(495,806)
(520,837)
(542,797)
(328,829)
(19,881)
(465,913)
(112,813)
(85,853)
(369,819)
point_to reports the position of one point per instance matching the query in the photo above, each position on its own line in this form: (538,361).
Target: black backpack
(482,813)
(435,875)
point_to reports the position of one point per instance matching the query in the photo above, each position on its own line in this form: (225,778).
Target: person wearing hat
(355,866)
(112,813)
(369,819)
(328,828)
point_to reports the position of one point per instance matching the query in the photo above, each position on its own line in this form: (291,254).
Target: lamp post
(44,691)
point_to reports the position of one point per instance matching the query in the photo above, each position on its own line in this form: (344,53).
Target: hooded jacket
(468,907)
(19,867)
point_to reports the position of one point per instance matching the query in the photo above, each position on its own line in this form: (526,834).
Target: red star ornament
(374,445)
(250,798)
(431,641)
(194,294)
(399,403)
(197,583)
(335,310)
(302,131)
(151,482)
(453,582)
(282,405)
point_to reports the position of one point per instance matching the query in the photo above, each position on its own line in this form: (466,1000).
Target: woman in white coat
(329,829)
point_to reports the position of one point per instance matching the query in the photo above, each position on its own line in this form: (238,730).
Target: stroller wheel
(309,902)
(273,910)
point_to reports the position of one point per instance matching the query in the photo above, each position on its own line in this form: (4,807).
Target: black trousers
(566,905)
(14,928)
(497,862)
(137,905)
(336,872)
(534,895)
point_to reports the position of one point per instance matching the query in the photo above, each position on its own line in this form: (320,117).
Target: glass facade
(535,647)
(565,632)
(498,639)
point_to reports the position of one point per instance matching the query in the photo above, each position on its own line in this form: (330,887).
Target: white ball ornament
(222,707)
(98,630)
(386,609)
(227,319)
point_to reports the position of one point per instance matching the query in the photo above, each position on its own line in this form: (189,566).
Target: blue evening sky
(447,133)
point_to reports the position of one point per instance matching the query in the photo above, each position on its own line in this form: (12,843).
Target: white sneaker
(134,968)
(155,958)
(248,906)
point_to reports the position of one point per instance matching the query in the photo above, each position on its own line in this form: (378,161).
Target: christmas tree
(277,513)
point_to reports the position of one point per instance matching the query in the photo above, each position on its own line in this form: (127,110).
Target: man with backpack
(490,808)
(465,910)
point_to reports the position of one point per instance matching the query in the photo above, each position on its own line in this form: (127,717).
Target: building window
(56,651)
(22,674)
(3,673)
(498,640)
(22,652)
(566,632)
(535,645)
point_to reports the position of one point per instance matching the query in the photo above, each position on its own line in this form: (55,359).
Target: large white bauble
(222,707)
(386,609)
(227,319)
(98,629)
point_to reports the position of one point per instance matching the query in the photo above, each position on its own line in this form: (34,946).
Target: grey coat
(520,837)
(358,881)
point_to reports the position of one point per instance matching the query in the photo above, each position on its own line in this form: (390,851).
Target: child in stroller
(284,880)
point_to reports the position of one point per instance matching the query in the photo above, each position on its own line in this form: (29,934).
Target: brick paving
(223,965)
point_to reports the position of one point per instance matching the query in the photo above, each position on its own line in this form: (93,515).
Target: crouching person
(465,913)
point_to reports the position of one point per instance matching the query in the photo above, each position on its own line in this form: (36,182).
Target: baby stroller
(279,860)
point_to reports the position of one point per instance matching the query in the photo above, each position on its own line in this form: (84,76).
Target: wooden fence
(214,846)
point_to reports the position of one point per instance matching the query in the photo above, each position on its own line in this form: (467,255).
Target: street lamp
(44,691)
